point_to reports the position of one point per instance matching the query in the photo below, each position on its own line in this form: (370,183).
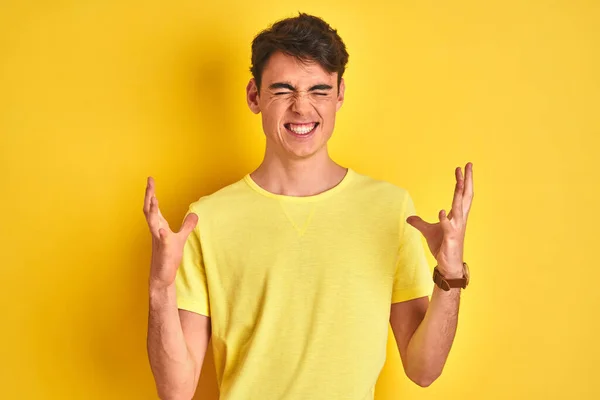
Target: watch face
(466,270)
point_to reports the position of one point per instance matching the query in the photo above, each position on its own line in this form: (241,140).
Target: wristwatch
(446,284)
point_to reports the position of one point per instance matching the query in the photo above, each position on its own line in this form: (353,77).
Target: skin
(177,339)
(291,92)
(294,91)
(425,331)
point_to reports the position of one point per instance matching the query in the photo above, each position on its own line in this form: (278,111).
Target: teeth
(301,129)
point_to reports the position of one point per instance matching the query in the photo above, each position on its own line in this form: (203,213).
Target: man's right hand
(167,246)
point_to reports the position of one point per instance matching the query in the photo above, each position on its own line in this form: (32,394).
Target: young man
(296,270)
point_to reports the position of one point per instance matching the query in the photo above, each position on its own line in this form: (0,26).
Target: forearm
(170,360)
(430,345)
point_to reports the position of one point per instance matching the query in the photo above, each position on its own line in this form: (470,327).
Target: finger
(162,222)
(468,193)
(153,217)
(149,194)
(444,221)
(189,223)
(419,223)
(162,219)
(457,201)
(162,234)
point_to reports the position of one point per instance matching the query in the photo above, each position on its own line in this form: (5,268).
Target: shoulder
(223,200)
(377,189)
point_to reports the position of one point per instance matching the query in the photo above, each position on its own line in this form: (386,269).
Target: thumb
(418,223)
(189,223)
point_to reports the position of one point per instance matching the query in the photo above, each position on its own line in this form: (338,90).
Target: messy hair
(306,37)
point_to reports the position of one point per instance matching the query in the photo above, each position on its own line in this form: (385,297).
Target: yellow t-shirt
(299,289)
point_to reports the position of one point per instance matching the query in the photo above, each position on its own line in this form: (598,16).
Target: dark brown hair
(306,37)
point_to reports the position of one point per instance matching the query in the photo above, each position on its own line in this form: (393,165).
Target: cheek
(275,108)
(326,111)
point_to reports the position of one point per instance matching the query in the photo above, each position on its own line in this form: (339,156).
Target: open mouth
(301,129)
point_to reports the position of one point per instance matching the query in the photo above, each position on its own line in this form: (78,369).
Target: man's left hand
(446,237)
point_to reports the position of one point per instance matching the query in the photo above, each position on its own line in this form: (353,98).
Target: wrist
(447,278)
(451,275)
(451,272)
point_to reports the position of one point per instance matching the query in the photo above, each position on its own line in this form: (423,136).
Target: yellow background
(97,95)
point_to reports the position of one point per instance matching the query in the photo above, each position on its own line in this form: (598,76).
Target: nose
(300,103)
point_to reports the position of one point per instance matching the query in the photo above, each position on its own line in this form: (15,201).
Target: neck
(298,177)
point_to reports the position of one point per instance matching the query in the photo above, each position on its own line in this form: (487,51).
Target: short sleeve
(412,278)
(190,282)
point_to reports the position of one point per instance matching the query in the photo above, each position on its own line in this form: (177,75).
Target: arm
(424,333)
(177,340)
(177,343)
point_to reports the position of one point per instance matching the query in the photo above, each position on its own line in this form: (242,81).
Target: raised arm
(177,339)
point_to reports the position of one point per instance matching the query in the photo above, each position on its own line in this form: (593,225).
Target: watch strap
(446,284)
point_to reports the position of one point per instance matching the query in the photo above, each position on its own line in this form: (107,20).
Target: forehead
(283,68)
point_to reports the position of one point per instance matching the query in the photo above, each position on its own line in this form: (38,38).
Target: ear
(252,96)
(340,97)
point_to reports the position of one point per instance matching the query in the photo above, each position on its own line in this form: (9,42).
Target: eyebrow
(283,85)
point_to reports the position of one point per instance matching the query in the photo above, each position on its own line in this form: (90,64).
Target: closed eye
(318,94)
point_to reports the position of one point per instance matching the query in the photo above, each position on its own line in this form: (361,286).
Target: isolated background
(97,95)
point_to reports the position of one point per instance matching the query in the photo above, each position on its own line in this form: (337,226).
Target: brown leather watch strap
(447,284)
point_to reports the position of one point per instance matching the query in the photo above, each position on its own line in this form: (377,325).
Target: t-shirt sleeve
(413,277)
(190,282)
